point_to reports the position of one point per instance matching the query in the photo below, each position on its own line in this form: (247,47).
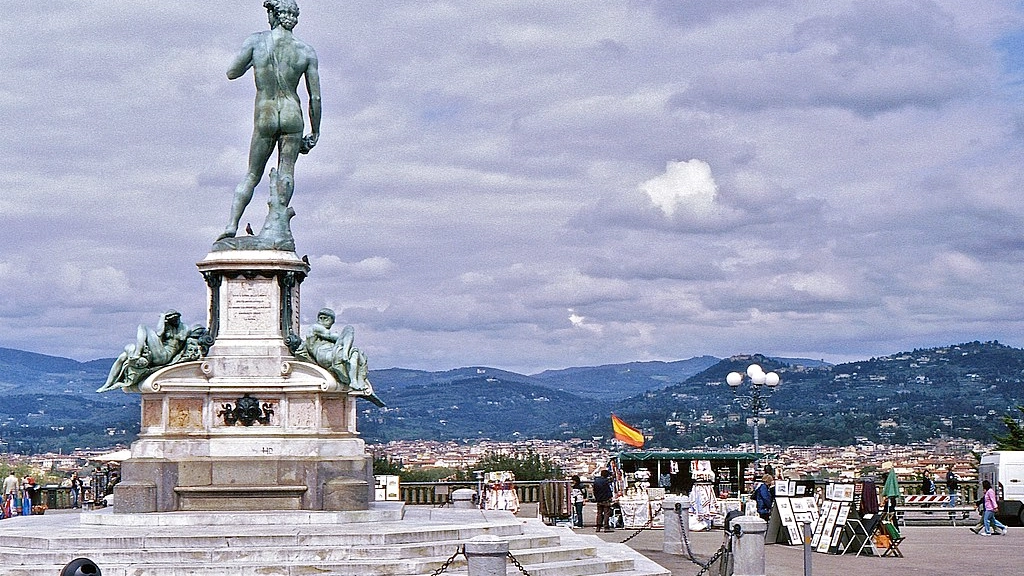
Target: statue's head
(284,13)
(325,314)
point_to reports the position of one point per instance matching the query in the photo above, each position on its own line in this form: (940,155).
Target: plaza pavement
(927,551)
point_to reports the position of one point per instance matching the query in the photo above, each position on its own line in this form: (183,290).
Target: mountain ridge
(956,390)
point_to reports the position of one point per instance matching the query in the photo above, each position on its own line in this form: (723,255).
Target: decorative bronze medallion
(246,411)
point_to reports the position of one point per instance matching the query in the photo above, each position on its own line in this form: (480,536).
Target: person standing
(10,494)
(603,495)
(927,484)
(952,486)
(76,491)
(991,507)
(764,498)
(579,497)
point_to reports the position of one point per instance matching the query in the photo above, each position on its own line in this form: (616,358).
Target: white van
(1005,470)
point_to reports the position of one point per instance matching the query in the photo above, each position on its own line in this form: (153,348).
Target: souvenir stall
(500,491)
(640,505)
(714,479)
(704,509)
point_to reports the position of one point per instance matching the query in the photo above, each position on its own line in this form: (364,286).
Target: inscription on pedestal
(250,306)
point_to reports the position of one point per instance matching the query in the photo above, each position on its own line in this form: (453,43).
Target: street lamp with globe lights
(762,386)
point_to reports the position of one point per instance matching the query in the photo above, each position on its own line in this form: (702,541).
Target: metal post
(485,556)
(748,546)
(807,548)
(676,511)
(757,449)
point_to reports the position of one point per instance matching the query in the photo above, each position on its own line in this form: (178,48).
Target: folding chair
(859,534)
(895,538)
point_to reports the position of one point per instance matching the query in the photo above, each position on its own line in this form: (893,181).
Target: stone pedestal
(248,427)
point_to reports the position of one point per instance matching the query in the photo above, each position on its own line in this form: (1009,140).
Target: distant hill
(620,381)
(50,403)
(961,390)
(476,407)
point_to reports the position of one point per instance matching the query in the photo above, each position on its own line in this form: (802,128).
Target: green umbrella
(892,486)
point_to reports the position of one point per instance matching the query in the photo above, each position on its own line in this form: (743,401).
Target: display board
(785,525)
(835,512)
(386,487)
(805,510)
(819,529)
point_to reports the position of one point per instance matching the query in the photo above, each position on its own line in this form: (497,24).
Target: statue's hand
(308,142)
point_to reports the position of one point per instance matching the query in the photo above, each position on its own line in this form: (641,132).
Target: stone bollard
(673,536)
(748,546)
(463,498)
(485,556)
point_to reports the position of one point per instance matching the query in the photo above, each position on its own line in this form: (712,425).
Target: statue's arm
(313,89)
(243,61)
(323,333)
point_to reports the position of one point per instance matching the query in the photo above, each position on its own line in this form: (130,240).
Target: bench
(931,506)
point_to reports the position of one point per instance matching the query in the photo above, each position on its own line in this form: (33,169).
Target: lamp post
(761,388)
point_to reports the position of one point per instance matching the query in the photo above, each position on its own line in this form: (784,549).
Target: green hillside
(962,390)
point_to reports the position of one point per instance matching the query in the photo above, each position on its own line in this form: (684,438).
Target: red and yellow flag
(627,433)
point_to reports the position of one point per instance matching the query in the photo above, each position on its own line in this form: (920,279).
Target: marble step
(307,545)
(208,538)
(529,546)
(589,566)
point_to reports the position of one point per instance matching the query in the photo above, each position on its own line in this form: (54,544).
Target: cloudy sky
(533,184)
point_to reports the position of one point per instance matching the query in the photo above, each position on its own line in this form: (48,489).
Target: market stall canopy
(117,456)
(670,455)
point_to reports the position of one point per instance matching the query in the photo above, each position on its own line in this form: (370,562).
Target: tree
(528,466)
(1014,437)
(387,466)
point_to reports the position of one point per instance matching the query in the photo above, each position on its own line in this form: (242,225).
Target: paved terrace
(928,551)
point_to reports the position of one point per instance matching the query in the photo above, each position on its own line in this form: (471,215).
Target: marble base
(249,427)
(161,485)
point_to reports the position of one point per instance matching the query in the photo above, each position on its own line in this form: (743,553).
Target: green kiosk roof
(669,455)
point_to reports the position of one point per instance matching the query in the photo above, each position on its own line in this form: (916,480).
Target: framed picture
(844,492)
(784,488)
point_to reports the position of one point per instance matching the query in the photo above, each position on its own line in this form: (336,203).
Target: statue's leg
(357,374)
(345,339)
(115,371)
(288,153)
(260,149)
(143,335)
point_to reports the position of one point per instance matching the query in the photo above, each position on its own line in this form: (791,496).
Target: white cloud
(684,185)
(372,268)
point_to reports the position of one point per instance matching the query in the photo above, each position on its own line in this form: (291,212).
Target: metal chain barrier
(517,564)
(647,526)
(460,550)
(704,566)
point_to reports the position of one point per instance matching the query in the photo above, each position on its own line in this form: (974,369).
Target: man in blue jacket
(764,498)
(603,495)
